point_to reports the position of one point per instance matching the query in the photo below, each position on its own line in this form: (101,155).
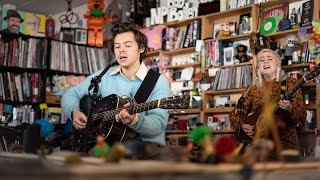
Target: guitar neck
(136,108)
(290,93)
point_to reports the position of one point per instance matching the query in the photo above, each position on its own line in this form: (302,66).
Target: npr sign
(175,10)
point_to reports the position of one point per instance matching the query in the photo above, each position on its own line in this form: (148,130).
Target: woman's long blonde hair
(279,73)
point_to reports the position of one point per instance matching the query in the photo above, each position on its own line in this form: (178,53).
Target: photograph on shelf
(272,19)
(67,34)
(81,36)
(301,13)
(27,23)
(228,54)
(245,23)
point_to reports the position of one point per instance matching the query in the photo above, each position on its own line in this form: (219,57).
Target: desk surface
(21,166)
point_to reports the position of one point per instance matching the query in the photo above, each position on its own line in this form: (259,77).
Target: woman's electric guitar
(252,118)
(102,121)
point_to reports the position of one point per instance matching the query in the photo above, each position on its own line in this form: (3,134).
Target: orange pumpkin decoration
(96,19)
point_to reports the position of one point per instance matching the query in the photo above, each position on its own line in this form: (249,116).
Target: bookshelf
(207,28)
(23,63)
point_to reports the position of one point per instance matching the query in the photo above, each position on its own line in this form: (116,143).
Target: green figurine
(101,148)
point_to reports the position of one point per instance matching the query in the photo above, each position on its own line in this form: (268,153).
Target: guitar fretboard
(136,108)
(290,93)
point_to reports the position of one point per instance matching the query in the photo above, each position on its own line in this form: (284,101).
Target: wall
(112,9)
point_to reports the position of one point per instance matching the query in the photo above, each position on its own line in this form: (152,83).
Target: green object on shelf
(199,133)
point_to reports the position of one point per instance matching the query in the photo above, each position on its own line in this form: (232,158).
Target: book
(307,13)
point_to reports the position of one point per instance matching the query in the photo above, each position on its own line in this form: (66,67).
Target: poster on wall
(27,23)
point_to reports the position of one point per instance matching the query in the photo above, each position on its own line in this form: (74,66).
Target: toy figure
(116,153)
(101,148)
(96,19)
(241,54)
(289,49)
(258,42)
(202,135)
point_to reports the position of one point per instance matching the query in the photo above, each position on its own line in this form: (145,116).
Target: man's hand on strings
(124,115)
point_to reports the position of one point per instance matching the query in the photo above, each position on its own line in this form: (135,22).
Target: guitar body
(254,118)
(112,131)
(101,119)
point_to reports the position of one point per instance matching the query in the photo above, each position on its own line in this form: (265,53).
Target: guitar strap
(147,86)
(283,88)
(142,95)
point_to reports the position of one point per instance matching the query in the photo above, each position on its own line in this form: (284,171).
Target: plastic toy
(96,19)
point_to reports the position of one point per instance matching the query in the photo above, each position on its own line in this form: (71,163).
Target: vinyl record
(268,26)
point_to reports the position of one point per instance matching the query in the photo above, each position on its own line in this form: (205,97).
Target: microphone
(97,79)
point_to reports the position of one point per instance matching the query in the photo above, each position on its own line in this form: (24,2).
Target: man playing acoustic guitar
(272,81)
(129,46)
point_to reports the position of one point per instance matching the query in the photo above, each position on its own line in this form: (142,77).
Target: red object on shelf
(182,124)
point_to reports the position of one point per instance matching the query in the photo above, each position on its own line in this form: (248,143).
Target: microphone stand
(240,105)
(95,85)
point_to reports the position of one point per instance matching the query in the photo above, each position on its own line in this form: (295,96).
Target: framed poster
(228,54)
(81,36)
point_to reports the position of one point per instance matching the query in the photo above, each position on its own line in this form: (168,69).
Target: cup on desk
(182,124)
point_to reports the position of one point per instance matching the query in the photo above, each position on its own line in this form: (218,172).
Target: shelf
(54,72)
(219,110)
(193,80)
(177,132)
(182,66)
(227,66)
(228,13)
(306,131)
(178,23)
(276,2)
(295,66)
(280,34)
(236,38)
(16,103)
(153,53)
(307,84)
(20,69)
(184,111)
(227,91)
(223,131)
(311,106)
(179,51)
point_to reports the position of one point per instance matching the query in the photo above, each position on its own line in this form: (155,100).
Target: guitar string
(109,115)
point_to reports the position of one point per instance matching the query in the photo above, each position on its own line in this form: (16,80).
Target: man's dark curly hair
(141,39)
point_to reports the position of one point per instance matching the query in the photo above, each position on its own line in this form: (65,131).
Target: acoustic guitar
(252,118)
(102,120)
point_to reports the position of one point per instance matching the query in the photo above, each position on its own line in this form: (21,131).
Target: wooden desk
(17,166)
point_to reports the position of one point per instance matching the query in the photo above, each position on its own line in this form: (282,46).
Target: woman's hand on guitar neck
(248,129)
(79,119)
(286,105)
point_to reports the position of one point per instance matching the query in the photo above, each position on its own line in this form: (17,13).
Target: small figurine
(101,148)
(241,53)
(96,19)
(116,153)
(202,135)
(291,47)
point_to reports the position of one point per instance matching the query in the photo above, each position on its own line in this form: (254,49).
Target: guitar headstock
(175,102)
(313,73)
